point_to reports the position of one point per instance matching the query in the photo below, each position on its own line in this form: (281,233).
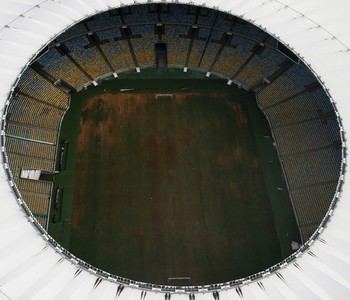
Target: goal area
(164,96)
(182,280)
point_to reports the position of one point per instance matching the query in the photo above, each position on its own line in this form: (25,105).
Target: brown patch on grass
(236,152)
(230,157)
(237,108)
(180,98)
(109,111)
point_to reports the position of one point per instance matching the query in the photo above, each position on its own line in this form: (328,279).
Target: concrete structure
(33,266)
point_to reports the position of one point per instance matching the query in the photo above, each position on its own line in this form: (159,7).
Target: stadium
(287,55)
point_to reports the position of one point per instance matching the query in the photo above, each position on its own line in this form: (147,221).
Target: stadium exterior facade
(34,267)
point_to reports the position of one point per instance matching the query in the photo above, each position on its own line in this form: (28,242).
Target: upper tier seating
(88,58)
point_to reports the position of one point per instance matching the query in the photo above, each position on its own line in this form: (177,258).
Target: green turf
(193,212)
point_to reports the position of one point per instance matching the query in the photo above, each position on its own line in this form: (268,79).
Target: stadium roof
(317,30)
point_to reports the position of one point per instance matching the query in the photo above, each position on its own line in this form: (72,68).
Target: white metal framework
(33,267)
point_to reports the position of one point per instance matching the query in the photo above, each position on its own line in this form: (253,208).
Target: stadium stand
(34,186)
(144,45)
(87,56)
(206,17)
(32,128)
(65,69)
(261,66)
(177,45)
(103,20)
(144,50)
(209,56)
(108,35)
(37,203)
(211,49)
(24,131)
(141,30)
(306,132)
(310,168)
(37,87)
(216,36)
(118,54)
(288,84)
(223,22)
(299,108)
(248,30)
(76,30)
(198,49)
(307,231)
(18,162)
(29,148)
(322,100)
(139,15)
(178,14)
(271,41)
(233,56)
(26,110)
(311,204)
(315,135)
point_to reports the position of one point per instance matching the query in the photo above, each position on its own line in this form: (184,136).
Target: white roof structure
(32,268)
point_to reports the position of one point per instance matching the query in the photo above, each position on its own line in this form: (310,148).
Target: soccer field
(167,187)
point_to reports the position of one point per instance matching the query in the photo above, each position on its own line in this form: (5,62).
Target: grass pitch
(170,188)
(164,188)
